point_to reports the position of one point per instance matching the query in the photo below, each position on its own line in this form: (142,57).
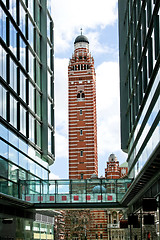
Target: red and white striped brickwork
(83,160)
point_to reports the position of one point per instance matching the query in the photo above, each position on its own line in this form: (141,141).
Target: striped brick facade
(113,170)
(82,113)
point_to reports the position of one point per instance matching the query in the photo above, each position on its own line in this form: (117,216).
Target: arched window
(81,66)
(78,67)
(80,95)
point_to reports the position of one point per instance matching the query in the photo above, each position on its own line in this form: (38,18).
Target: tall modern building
(83,160)
(139,43)
(26,95)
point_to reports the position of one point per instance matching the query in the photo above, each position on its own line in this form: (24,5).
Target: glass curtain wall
(22,153)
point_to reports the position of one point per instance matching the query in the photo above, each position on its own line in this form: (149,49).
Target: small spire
(81,31)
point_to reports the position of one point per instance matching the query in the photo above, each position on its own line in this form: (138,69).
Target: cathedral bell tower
(83,160)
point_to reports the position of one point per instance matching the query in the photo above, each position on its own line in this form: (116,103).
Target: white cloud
(69,17)
(61,144)
(61,107)
(96,46)
(107,86)
(52,176)
(108,115)
(61,88)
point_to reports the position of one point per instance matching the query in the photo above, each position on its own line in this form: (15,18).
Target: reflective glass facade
(139,32)
(26,93)
(26,89)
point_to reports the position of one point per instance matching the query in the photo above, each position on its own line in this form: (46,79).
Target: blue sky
(99,20)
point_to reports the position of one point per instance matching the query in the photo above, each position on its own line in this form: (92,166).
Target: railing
(113,225)
(73,191)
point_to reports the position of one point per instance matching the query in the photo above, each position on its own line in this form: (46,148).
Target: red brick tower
(83,160)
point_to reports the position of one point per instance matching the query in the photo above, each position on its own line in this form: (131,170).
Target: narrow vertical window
(31,128)
(80,111)
(13,111)
(3,97)
(2,63)
(81,153)
(22,86)
(81,132)
(13,75)
(22,120)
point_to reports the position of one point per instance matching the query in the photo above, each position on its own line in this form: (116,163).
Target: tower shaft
(83,160)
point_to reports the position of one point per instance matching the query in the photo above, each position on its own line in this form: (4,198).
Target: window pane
(49,139)
(22,120)
(13,155)
(12,172)
(13,39)
(3,149)
(13,75)
(13,111)
(31,128)
(23,146)
(31,7)
(23,161)
(48,27)
(38,16)
(3,63)
(48,55)
(39,139)
(22,19)
(4,132)
(22,53)
(49,111)
(3,25)
(38,104)
(31,96)
(30,33)
(22,86)
(31,65)
(3,104)
(12,8)
(49,84)
(49,6)
(4,166)
(13,139)
(37,42)
(38,76)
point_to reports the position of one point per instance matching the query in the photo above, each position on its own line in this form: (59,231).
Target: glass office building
(26,92)
(139,42)
(139,52)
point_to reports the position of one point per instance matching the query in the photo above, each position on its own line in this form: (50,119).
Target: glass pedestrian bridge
(73,193)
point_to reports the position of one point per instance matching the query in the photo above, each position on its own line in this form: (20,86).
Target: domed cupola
(81,41)
(81,38)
